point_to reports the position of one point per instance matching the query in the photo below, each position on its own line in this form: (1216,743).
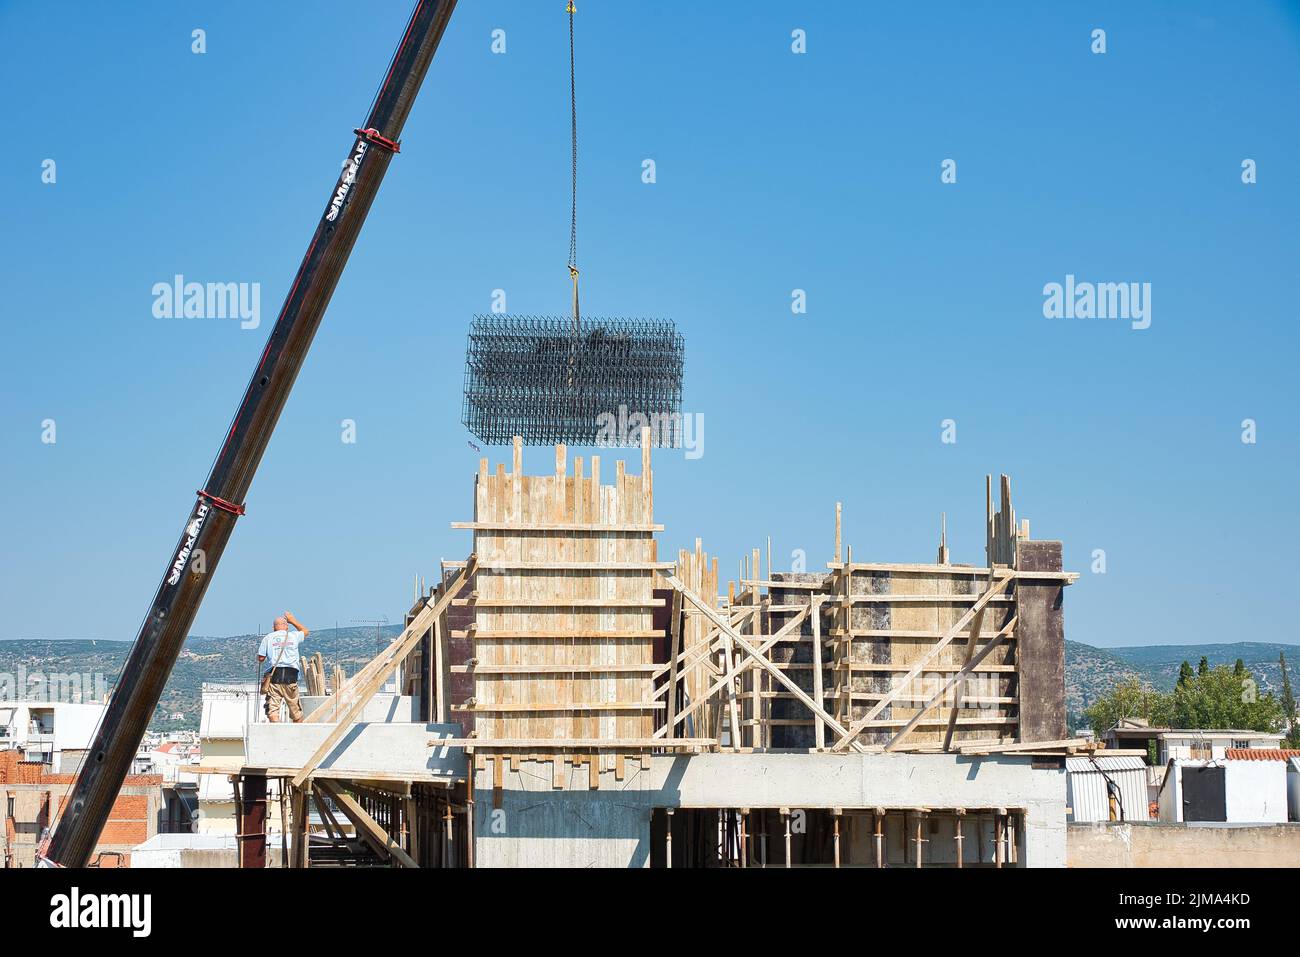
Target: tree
(1211,699)
(1130,698)
(1289,714)
(1224,697)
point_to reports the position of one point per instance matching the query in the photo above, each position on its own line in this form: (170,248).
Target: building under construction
(568,696)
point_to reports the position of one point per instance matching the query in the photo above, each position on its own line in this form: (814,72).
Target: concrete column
(1040,644)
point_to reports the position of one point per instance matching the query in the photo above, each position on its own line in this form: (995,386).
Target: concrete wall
(1157,844)
(531,823)
(1254,791)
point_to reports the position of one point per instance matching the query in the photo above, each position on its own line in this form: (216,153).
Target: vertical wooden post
(785,820)
(744,837)
(756,699)
(920,841)
(438,664)
(958,837)
(448,824)
(880,836)
(412,830)
(668,843)
(997,837)
(284,826)
(818,692)
(469,821)
(733,712)
(675,630)
(847,638)
(839,511)
(835,824)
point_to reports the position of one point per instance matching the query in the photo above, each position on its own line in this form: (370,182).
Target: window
(1239,743)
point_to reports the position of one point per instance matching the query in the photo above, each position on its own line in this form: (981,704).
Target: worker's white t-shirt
(271,645)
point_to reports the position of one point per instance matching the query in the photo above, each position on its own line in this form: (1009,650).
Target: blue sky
(775,171)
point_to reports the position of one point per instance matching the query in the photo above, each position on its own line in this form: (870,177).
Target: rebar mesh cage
(531,376)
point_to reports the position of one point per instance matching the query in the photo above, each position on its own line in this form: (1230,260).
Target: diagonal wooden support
(391,657)
(994,589)
(760,660)
(368,829)
(956,681)
(675,629)
(745,666)
(956,704)
(697,656)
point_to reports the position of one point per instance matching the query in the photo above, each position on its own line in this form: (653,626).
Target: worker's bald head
(281,624)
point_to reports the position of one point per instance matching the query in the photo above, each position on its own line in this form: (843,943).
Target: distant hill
(202,659)
(1089,671)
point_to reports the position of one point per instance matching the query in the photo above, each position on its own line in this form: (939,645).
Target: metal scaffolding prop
(538,378)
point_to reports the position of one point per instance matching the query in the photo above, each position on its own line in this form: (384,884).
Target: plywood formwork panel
(566,578)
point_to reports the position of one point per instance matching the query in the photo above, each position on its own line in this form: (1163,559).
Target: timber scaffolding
(564,651)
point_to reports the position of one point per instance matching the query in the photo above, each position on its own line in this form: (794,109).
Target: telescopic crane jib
(220,501)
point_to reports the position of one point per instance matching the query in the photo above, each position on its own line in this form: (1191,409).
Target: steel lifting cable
(570,9)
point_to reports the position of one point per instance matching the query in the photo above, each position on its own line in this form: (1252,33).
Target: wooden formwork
(863,656)
(563,605)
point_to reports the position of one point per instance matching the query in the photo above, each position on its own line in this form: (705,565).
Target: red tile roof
(1262,754)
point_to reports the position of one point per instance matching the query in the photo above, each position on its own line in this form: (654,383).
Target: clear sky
(776,171)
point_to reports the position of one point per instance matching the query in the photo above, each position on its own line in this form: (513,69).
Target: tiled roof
(1262,754)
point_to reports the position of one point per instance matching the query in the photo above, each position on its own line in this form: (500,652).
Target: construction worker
(278,657)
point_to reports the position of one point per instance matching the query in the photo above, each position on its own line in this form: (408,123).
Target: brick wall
(132,820)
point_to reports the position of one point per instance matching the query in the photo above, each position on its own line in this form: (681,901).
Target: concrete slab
(531,823)
(377,749)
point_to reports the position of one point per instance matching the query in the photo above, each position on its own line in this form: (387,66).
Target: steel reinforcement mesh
(529,376)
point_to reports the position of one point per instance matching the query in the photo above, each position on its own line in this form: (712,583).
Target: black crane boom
(219,502)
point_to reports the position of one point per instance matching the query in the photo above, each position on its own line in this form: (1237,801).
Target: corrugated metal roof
(1262,754)
(1077,765)
(1087,795)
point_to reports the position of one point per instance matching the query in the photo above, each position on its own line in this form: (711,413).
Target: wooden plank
(368,829)
(701,701)
(958,679)
(549,669)
(961,687)
(574,527)
(994,747)
(675,648)
(502,566)
(994,589)
(393,656)
(480,635)
(541,706)
(758,657)
(820,733)
(950,571)
(560,602)
(596,744)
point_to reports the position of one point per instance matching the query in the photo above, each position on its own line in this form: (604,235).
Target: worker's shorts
(289,695)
